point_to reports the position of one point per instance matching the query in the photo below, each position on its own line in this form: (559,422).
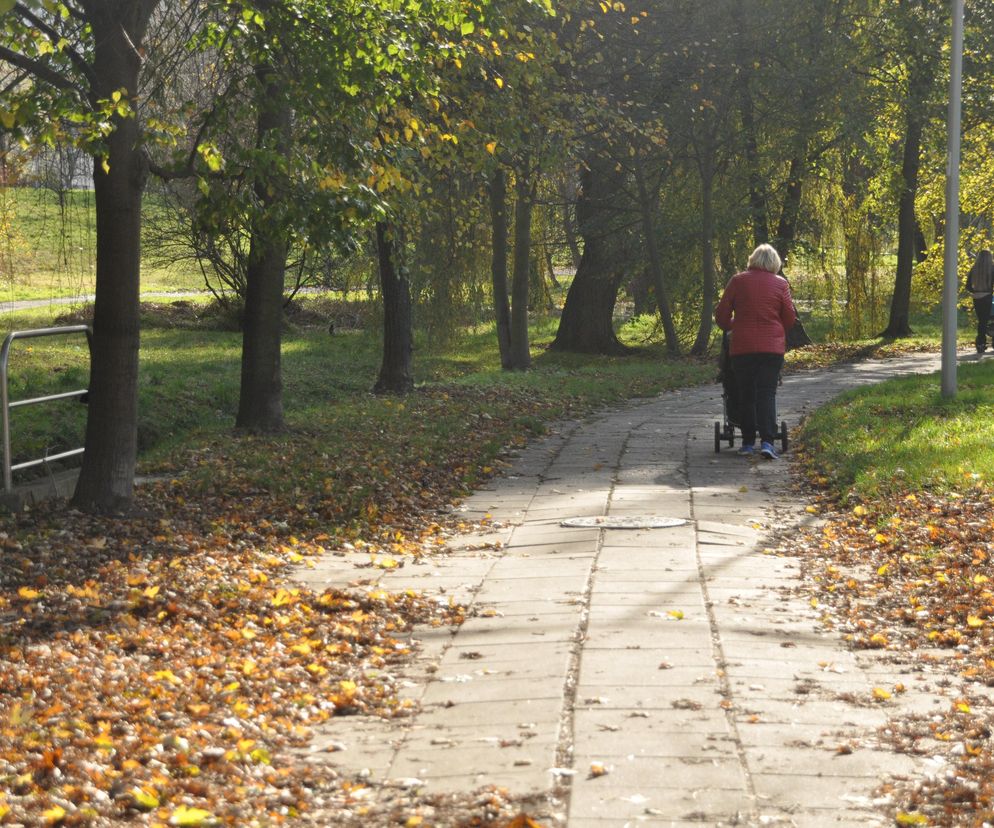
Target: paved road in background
(685,663)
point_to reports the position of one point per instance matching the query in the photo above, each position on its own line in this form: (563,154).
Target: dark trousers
(756,378)
(982,307)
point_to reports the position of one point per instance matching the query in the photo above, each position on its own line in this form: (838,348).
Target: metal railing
(6,405)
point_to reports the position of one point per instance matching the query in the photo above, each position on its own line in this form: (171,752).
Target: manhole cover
(610,522)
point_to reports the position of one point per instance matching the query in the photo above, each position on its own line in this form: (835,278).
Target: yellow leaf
(677,614)
(54,814)
(904,818)
(151,592)
(880,694)
(962,707)
(974,621)
(859,511)
(492,147)
(260,756)
(167,675)
(811,510)
(499,82)
(883,569)
(880,537)
(414,821)
(191,816)
(284,597)
(144,799)
(28,594)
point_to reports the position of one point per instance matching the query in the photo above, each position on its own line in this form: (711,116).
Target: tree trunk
(700,346)
(587,322)
(921,246)
(260,404)
(396,373)
(498,265)
(787,226)
(639,287)
(569,228)
(757,193)
(900,308)
(520,353)
(656,265)
(106,479)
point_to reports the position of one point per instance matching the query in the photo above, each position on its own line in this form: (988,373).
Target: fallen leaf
(186,816)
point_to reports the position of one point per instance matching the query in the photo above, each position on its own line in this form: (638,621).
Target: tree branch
(56,37)
(41,71)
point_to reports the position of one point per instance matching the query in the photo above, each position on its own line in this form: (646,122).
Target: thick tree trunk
(396,372)
(520,353)
(260,404)
(640,289)
(700,346)
(498,265)
(899,324)
(106,480)
(587,323)
(656,265)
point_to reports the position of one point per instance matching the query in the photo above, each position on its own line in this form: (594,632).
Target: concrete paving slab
(743,723)
(654,667)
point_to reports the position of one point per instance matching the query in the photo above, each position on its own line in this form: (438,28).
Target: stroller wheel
(783,435)
(717,437)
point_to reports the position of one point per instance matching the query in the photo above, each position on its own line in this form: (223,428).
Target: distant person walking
(757,309)
(980,284)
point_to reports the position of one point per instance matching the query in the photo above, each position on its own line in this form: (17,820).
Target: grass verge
(904,436)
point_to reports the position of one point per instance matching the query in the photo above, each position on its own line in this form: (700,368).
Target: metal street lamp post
(950,282)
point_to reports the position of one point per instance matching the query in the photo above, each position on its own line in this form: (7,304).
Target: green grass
(48,250)
(903,436)
(189,380)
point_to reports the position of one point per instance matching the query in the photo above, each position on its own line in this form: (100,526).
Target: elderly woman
(757,309)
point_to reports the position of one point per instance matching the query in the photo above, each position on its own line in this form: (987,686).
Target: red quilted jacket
(758,310)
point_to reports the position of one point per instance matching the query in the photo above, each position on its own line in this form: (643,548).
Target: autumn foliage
(161,668)
(914,577)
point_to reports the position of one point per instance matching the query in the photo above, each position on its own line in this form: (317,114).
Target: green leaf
(6,6)
(468,27)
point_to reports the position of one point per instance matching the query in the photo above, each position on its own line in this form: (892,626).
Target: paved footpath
(683,662)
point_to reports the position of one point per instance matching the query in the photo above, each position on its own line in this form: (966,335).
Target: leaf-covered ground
(914,576)
(158,669)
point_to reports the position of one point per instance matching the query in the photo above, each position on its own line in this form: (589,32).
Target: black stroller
(725,430)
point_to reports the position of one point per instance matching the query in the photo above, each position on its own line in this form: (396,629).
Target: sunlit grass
(50,248)
(902,435)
